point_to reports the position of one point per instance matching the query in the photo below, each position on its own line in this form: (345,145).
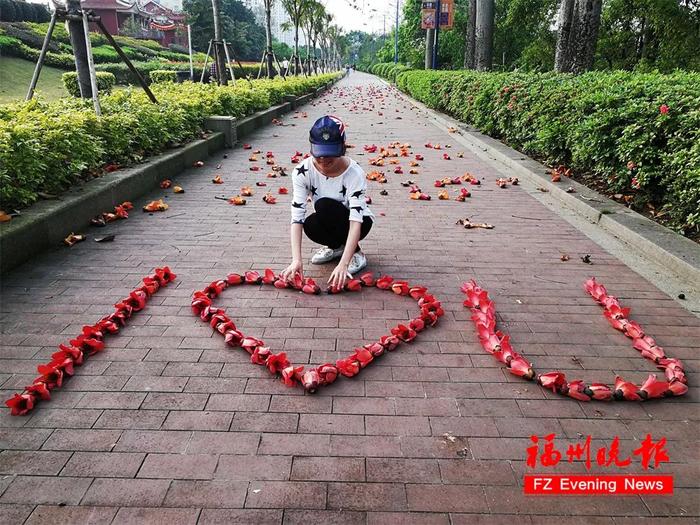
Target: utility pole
(429,41)
(437,36)
(219,55)
(396,35)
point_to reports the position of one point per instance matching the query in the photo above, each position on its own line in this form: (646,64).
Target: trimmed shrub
(48,146)
(637,133)
(163,76)
(105,82)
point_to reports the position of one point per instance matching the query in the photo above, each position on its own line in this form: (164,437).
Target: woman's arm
(297,265)
(340,274)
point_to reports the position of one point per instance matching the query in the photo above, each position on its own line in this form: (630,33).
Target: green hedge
(48,146)
(105,82)
(160,75)
(609,124)
(124,75)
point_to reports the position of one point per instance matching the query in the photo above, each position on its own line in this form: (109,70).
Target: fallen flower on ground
(153,206)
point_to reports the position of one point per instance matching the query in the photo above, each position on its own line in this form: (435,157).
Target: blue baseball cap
(327,137)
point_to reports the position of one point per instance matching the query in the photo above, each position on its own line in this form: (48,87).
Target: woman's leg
(329,225)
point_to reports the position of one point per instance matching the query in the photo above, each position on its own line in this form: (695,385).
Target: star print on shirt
(301,170)
(297,204)
(358,193)
(313,190)
(344,190)
(358,208)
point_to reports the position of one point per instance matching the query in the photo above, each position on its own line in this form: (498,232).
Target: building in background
(148,20)
(278,16)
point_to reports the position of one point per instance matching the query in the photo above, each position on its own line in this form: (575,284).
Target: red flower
(260,355)
(249,344)
(269,277)
(376,349)
(362,356)
(416,292)
(677,388)
(577,390)
(150,285)
(233,338)
(108,325)
(311,380)
(390,342)
(327,373)
(404,333)
(38,389)
(599,391)
(417,324)
(348,367)
(200,302)
(290,374)
(597,291)
(215,288)
(353,285)
(252,277)
(625,390)
(310,287)
(520,367)
(90,344)
(384,282)
(76,354)
(224,327)
(663,109)
(429,318)
(652,388)
(635,183)
(554,381)
(633,330)
(20,404)
(234,278)
(164,275)
(277,362)
(281,284)
(51,374)
(400,287)
(367,279)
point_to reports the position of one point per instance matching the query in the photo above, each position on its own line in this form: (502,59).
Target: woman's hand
(339,276)
(297,267)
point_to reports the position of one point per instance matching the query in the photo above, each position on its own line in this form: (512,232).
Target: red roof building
(149,20)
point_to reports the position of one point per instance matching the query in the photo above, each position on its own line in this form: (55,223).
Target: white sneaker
(357,263)
(325,254)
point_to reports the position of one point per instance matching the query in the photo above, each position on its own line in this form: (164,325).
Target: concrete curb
(47,223)
(659,244)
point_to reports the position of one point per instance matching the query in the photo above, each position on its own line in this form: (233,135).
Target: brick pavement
(170,425)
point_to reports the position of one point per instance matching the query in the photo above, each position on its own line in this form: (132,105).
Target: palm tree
(296,9)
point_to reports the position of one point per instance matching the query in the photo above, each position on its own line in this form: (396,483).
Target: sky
(367,15)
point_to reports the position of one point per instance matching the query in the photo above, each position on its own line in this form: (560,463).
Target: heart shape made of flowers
(430,310)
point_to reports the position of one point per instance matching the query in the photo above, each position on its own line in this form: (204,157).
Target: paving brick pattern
(168,425)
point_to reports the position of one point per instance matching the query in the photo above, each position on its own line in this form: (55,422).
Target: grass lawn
(15,75)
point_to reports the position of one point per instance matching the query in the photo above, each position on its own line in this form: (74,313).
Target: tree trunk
(484,34)
(296,47)
(268,37)
(219,53)
(562,63)
(429,42)
(587,20)
(579,21)
(469,50)
(77,40)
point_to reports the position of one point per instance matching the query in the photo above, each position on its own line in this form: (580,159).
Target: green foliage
(21,11)
(160,75)
(105,82)
(50,146)
(238,27)
(607,124)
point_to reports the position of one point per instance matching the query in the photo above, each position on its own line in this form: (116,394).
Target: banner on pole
(447,14)
(427,18)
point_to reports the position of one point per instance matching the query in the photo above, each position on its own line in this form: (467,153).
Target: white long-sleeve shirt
(349,188)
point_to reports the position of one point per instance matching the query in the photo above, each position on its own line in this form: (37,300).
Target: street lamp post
(396,35)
